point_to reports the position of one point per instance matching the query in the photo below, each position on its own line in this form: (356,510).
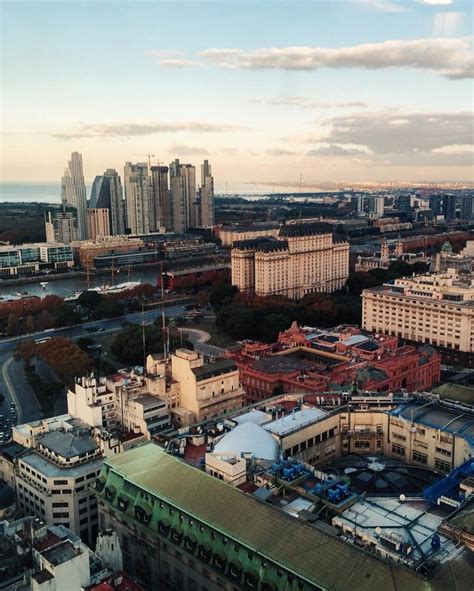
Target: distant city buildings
(303,259)
(98,223)
(137,197)
(206,194)
(28,259)
(61,225)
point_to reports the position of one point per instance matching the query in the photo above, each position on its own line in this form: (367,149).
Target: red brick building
(310,361)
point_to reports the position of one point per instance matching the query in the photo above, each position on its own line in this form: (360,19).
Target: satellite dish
(403,497)
(378,530)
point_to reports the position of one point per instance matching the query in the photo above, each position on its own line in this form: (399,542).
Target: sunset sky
(266,90)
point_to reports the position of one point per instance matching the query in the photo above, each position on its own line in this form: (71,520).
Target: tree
(29,324)
(66,315)
(85,342)
(89,299)
(128,344)
(272,325)
(202,298)
(44,320)
(222,293)
(12,324)
(359,281)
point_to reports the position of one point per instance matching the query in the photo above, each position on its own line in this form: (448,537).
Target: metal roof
(292,543)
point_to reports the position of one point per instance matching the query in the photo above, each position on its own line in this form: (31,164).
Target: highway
(13,384)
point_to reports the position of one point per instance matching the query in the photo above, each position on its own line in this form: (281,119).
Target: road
(199,339)
(13,384)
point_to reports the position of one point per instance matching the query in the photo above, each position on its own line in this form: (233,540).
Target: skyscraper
(467,207)
(449,207)
(107,193)
(98,223)
(137,197)
(73,191)
(183,196)
(161,202)
(206,195)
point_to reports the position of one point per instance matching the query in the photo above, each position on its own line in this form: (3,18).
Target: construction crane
(149,156)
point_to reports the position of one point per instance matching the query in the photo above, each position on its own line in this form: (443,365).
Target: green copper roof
(310,553)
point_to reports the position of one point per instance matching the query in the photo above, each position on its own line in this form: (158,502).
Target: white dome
(249,437)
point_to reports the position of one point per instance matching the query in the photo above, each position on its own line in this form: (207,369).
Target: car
(101,329)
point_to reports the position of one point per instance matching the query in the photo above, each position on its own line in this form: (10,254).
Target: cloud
(447,23)
(437,2)
(381,5)
(305,103)
(337,150)
(184,150)
(388,132)
(141,129)
(451,58)
(280,152)
(172,58)
(456,149)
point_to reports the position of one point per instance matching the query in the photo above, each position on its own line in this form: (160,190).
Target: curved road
(13,383)
(199,339)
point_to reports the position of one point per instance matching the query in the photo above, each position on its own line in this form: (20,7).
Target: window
(59,481)
(419,457)
(399,450)
(443,452)
(57,505)
(442,466)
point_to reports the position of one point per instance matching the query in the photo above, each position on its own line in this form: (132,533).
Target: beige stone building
(303,259)
(98,223)
(432,308)
(231,234)
(206,389)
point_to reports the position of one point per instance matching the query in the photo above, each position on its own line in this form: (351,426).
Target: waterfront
(67,286)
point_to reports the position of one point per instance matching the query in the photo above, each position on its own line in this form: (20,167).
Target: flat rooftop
(50,470)
(294,421)
(210,370)
(61,553)
(437,417)
(68,445)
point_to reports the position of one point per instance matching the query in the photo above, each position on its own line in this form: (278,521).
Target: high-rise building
(435,204)
(137,197)
(467,207)
(376,206)
(160,198)
(61,225)
(98,223)
(449,207)
(183,196)
(107,193)
(206,193)
(73,191)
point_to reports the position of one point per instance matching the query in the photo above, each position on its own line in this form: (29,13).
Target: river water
(68,286)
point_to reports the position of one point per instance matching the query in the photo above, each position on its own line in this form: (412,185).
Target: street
(13,384)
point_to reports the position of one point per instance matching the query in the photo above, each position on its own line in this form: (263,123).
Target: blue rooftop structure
(437,417)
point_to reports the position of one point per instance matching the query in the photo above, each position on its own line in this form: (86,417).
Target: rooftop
(60,553)
(305,229)
(439,418)
(296,420)
(50,470)
(312,554)
(68,445)
(217,368)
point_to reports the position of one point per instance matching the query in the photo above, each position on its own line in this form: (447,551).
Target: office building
(61,225)
(31,258)
(376,206)
(303,259)
(206,193)
(73,192)
(137,197)
(183,196)
(206,389)
(106,193)
(230,234)
(87,250)
(449,207)
(433,308)
(404,204)
(98,223)
(161,202)
(467,207)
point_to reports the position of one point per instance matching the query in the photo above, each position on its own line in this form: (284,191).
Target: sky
(268,91)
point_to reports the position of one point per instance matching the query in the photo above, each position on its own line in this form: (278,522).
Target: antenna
(301,181)
(143,337)
(163,317)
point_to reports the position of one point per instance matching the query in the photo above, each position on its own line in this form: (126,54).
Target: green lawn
(218,337)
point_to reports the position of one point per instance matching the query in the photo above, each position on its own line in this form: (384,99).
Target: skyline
(352,91)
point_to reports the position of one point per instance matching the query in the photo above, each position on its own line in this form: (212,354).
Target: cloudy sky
(355,90)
